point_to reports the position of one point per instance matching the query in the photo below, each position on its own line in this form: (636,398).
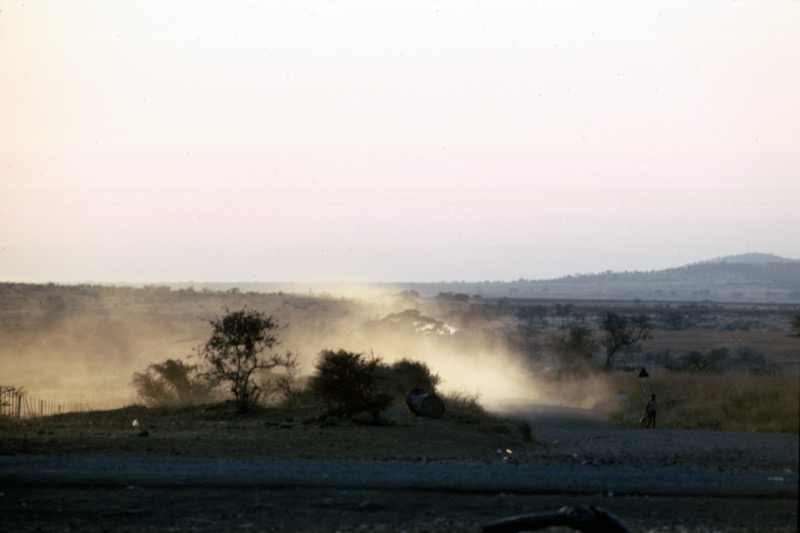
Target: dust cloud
(82,344)
(469,344)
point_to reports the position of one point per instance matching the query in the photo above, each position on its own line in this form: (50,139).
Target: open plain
(206,468)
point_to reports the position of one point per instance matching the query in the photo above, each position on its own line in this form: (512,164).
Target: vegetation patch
(735,401)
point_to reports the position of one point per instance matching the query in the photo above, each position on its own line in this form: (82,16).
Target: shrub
(349,383)
(751,360)
(696,361)
(297,394)
(277,387)
(170,384)
(403,375)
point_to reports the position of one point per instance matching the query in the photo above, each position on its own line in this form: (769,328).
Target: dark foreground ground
(203,471)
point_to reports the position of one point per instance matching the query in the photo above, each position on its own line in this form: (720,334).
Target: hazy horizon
(374,282)
(152,142)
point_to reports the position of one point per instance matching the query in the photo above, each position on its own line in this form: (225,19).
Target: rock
(426,404)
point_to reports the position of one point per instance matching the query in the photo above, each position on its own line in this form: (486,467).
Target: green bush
(348,383)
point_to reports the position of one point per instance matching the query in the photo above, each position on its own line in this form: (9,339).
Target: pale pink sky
(393,141)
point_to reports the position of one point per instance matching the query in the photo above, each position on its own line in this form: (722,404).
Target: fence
(17,403)
(11,401)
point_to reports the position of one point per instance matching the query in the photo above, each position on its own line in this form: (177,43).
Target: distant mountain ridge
(750,277)
(750,266)
(756,259)
(752,258)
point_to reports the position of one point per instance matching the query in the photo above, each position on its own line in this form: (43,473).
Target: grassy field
(735,401)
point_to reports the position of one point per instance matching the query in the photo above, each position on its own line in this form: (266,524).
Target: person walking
(650,411)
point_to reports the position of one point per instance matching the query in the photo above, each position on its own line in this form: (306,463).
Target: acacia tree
(623,331)
(235,353)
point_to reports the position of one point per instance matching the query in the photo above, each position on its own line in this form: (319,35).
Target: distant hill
(751,259)
(753,277)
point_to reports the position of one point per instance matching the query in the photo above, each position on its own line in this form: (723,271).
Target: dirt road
(655,480)
(580,435)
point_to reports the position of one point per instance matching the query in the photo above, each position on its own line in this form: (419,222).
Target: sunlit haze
(393,141)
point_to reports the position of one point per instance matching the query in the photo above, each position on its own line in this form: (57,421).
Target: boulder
(423,403)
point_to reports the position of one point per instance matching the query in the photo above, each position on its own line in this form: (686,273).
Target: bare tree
(623,331)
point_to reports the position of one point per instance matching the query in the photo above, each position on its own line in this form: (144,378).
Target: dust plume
(90,340)
(469,344)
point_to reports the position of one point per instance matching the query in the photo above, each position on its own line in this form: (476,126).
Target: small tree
(348,383)
(622,331)
(171,383)
(234,353)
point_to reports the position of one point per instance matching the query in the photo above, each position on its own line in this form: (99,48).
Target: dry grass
(731,402)
(465,408)
(461,404)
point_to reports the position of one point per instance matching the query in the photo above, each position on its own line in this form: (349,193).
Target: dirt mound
(217,431)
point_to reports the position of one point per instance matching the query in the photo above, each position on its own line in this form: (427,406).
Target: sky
(378,141)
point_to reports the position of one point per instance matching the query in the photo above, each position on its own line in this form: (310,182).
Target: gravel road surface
(390,475)
(662,480)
